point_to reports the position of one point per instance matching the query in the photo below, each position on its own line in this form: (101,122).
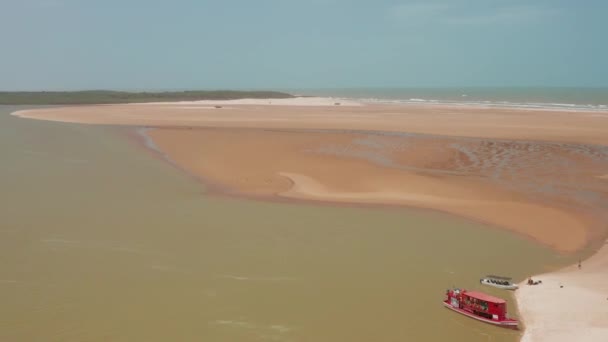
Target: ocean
(589,99)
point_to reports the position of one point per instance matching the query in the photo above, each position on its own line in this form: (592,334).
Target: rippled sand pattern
(571,171)
(568,175)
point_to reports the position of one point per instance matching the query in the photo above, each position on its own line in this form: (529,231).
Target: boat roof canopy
(484,297)
(498,277)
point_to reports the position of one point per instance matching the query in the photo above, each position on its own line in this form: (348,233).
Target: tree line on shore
(114,97)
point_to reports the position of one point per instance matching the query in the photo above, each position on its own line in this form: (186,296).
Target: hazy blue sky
(149,44)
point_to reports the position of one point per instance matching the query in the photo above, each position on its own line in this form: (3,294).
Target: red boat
(479,306)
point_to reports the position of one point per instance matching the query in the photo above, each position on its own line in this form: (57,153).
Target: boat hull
(509,323)
(511,287)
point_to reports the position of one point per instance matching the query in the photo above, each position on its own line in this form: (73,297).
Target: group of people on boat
(476,304)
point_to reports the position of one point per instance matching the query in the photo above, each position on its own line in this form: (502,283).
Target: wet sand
(537,173)
(447,174)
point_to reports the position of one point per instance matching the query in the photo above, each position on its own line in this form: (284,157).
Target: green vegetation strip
(108,97)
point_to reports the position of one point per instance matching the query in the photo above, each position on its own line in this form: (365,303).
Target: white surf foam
(296,101)
(571,107)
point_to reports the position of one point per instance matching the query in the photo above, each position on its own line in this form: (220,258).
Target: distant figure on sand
(579,264)
(534,282)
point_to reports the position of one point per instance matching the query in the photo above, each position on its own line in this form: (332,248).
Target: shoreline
(298,100)
(531,313)
(503,123)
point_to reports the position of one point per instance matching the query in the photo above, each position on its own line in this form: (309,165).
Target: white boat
(499,282)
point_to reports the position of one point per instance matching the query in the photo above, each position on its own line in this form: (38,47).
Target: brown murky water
(102,242)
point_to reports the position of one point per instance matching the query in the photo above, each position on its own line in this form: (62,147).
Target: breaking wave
(486,103)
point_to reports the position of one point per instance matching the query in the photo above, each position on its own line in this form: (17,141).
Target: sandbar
(446,120)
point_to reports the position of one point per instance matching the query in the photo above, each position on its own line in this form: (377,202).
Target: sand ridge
(524,216)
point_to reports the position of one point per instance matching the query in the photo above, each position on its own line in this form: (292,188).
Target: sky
(282,44)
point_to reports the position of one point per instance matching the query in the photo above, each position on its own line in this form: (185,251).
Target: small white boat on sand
(499,282)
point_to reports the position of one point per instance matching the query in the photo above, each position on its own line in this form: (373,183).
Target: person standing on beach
(579,264)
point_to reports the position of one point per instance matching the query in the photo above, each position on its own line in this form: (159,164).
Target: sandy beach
(569,305)
(464,121)
(540,174)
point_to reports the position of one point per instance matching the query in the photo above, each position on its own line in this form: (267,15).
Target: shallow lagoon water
(102,241)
